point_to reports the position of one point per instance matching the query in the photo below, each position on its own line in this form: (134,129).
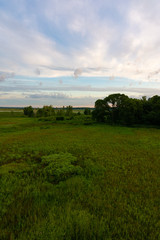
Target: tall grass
(66,181)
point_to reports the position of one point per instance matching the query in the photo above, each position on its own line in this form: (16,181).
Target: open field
(64,180)
(13,110)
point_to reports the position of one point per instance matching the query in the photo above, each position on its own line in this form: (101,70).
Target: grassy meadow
(75,180)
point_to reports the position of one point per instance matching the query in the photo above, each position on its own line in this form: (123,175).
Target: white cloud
(24,49)
(125,46)
(6,75)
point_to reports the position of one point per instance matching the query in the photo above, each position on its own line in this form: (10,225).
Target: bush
(58,167)
(46,111)
(59,118)
(87,111)
(28,111)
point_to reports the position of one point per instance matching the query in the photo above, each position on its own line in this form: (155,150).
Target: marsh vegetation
(77,179)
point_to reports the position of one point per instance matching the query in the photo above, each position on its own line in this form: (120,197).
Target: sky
(60,53)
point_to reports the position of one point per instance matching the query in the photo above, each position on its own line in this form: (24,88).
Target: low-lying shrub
(59,167)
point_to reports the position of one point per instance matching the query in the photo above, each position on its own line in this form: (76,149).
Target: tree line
(120,109)
(114,109)
(47,111)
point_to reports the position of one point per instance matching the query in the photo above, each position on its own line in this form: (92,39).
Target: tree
(101,111)
(39,112)
(117,103)
(60,112)
(154,114)
(69,111)
(118,109)
(87,111)
(28,111)
(46,111)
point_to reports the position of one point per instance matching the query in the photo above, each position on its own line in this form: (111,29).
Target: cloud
(153,74)
(37,71)
(60,81)
(111,77)
(54,95)
(77,72)
(48,39)
(5,75)
(29,49)
(32,48)
(63,91)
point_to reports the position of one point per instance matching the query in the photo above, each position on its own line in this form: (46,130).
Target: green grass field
(64,180)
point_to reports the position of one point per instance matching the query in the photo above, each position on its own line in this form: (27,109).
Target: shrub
(59,118)
(46,111)
(58,167)
(28,111)
(87,111)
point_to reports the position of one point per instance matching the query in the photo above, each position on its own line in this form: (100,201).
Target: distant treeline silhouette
(59,113)
(120,109)
(48,111)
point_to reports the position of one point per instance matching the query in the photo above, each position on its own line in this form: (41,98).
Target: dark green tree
(28,111)
(153,115)
(120,109)
(87,111)
(39,112)
(117,103)
(101,111)
(46,111)
(69,111)
(60,112)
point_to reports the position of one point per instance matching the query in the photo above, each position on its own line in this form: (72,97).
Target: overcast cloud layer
(77,50)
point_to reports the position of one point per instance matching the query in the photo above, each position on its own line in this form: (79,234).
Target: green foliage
(10,114)
(87,111)
(67,180)
(69,110)
(101,111)
(153,115)
(60,166)
(120,109)
(46,111)
(28,111)
(60,112)
(60,118)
